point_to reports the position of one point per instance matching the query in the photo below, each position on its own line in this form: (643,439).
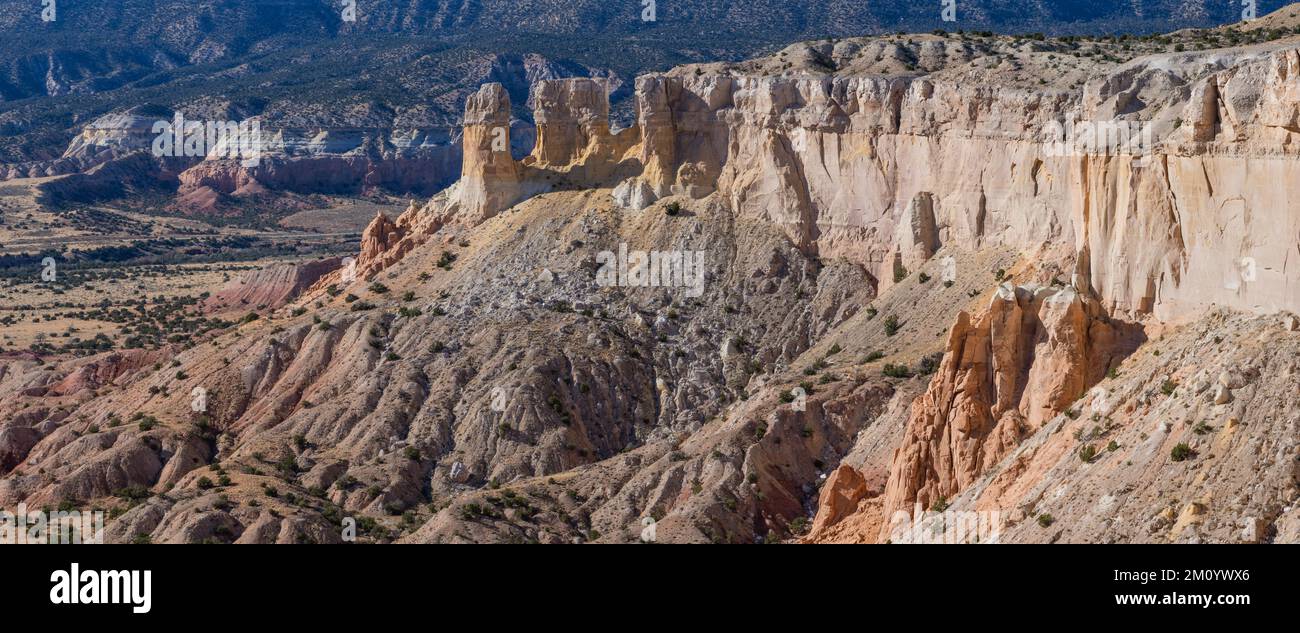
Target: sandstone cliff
(1005,372)
(1185,212)
(853,225)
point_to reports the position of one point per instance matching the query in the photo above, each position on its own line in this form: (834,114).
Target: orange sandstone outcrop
(1026,358)
(839,497)
(1032,353)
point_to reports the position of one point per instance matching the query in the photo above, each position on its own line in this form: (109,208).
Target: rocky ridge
(468,380)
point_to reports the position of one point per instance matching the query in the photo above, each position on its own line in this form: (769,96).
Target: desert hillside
(886,279)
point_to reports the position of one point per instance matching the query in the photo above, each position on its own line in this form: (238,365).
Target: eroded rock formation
(274,286)
(1025,359)
(821,201)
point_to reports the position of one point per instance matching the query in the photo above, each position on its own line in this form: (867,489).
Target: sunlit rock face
(1182,192)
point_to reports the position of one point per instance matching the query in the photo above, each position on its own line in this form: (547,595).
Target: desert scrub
(891,325)
(896,371)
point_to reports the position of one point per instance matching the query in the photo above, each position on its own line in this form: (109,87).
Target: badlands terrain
(897,295)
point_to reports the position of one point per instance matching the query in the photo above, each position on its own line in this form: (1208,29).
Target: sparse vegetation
(891,325)
(896,371)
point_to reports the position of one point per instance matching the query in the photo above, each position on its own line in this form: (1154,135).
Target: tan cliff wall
(853,166)
(885,170)
(575,149)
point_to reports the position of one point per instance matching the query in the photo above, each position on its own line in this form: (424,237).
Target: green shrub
(896,371)
(900,273)
(929,364)
(798,526)
(134,492)
(891,325)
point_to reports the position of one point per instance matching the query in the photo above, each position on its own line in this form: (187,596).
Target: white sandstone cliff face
(888,169)
(1188,203)
(1190,207)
